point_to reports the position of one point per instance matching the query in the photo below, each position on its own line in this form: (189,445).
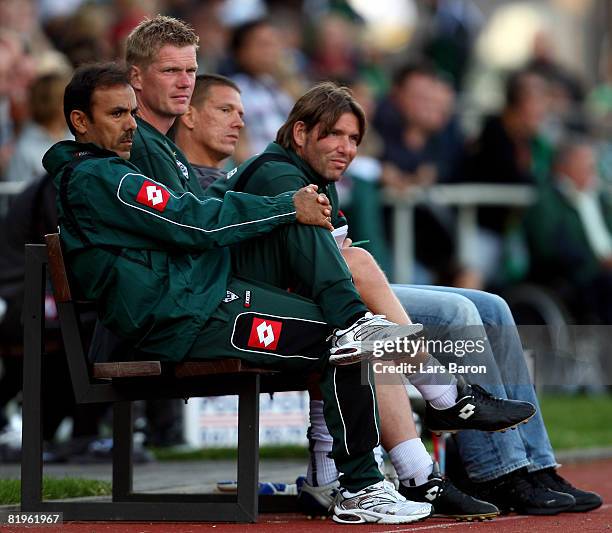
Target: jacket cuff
(285,205)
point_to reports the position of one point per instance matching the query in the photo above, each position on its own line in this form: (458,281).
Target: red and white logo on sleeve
(153,195)
(265,334)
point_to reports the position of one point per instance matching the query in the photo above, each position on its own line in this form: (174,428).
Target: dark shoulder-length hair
(324,104)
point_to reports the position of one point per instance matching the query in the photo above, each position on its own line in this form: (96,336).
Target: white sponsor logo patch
(230,297)
(466,411)
(183,169)
(231,173)
(154,195)
(432,493)
(265,334)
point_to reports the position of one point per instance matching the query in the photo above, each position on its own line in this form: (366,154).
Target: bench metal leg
(248,446)
(123,468)
(31,450)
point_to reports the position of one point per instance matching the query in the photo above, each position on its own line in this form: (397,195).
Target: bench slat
(220,366)
(126,369)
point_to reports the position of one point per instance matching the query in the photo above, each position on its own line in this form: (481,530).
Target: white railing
(466,197)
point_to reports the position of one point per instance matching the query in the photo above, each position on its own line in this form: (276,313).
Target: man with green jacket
(145,253)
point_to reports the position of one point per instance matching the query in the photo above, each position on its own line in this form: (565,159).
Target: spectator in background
(565,88)
(423,145)
(21,17)
(257,53)
(510,149)
(206,19)
(599,100)
(46,127)
(7,60)
(446,33)
(422,142)
(335,54)
(570,233)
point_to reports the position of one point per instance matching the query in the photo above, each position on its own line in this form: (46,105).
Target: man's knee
(493,309)
(461,311)
(362,265)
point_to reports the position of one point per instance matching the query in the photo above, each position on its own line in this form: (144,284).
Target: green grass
(578,421)
(55,489)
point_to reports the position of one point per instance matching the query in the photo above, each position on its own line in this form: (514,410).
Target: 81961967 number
(40,519)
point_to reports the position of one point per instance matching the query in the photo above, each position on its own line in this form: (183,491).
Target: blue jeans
(486,456)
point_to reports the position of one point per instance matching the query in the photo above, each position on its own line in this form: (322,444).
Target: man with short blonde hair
(146,39)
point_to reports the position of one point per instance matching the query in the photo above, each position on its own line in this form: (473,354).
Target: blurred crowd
(550,131)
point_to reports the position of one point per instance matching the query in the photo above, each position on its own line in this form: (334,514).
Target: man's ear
(299,133)
(189,118)
(135,77)
(79,121)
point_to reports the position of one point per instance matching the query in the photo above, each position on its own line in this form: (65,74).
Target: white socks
(445,400)
(411,461)
(410,458)
(321,467)
(436,388)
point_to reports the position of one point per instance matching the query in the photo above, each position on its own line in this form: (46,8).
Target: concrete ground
(175,476)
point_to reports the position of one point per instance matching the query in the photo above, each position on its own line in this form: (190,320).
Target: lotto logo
(433,493)
(466,411)
(265,334)
(153,196)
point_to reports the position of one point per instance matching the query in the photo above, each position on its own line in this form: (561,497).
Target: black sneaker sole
(439,432)
(504,510)
(543,512)
(584,507)
(479,517)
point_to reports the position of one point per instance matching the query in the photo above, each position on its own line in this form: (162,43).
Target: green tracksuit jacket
(152,255)
(158,157)
(279,176)
(307,261)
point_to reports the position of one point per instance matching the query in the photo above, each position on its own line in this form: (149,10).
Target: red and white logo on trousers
(265,334)
(153,196)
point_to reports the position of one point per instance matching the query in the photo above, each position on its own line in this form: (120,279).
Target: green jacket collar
(64,152)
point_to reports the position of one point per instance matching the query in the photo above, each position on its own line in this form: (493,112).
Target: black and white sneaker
(380,504)
(585,501)
(357,342)
(447,500)
(477,409)
(518,492)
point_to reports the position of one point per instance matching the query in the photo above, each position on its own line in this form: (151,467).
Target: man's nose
(185,79)
(131,123)
(344,145)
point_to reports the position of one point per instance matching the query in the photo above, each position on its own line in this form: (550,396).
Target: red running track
(596,476)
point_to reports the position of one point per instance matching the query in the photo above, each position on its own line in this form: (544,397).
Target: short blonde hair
(146,39)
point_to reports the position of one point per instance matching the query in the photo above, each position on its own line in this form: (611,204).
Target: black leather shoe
(518,492)
(585,501)
(447,500)
(477,409)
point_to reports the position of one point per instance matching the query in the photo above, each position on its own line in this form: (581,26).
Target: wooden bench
(121,383)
